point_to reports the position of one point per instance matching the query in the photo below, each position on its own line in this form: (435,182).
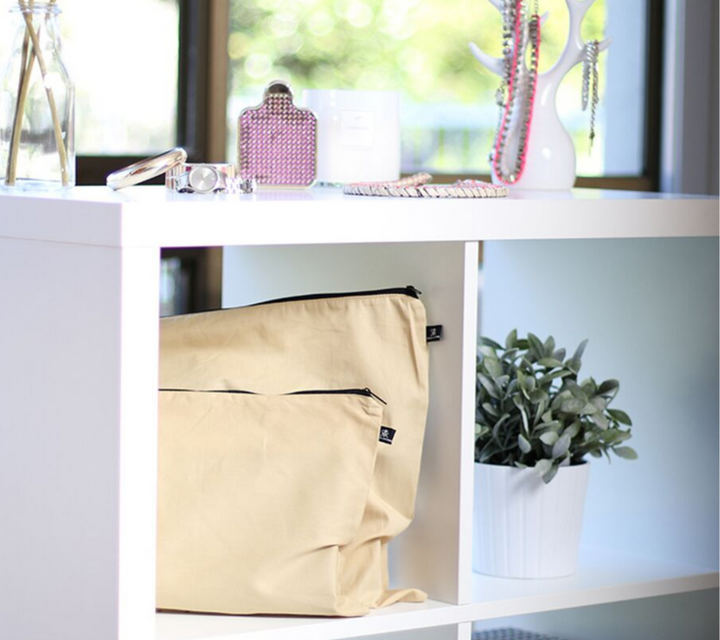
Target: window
(122,109)
(421,48)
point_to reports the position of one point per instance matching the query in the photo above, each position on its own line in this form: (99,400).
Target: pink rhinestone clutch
(277,141)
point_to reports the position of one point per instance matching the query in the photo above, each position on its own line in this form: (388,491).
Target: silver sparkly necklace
(515,83)
(590,80)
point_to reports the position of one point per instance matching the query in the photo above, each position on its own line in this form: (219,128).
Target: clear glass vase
(37,104)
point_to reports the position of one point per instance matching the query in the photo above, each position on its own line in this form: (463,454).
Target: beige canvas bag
(257,495)
(367,339)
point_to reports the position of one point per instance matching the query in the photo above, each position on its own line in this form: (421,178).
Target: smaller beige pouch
(258,495)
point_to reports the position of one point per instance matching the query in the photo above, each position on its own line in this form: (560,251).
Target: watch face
(204,179)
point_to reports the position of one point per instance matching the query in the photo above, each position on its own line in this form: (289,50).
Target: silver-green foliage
(533,412)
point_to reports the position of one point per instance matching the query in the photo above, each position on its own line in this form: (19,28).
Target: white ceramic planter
(525,528)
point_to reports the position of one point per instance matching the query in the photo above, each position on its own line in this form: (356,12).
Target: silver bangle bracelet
(146,169)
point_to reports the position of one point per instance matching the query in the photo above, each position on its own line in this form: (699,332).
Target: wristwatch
(202,178)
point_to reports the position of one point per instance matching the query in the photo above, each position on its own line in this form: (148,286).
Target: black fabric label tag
(434,333)
(386,435)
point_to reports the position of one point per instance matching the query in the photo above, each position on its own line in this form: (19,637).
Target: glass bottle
(37,103)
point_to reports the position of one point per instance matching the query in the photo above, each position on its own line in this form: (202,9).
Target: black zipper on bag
(321,392)
(408,290)
(238,391)
(312,392)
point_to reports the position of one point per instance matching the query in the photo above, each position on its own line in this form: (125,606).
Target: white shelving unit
(78,369)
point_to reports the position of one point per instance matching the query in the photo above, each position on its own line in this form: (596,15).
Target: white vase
(525,528)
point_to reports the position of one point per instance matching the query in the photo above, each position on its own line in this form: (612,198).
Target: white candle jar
(358,135)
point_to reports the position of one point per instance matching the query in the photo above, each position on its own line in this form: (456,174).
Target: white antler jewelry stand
(550,160)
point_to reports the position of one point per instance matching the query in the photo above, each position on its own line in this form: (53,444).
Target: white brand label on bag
(357,128)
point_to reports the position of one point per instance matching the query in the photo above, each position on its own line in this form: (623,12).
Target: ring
(146,169)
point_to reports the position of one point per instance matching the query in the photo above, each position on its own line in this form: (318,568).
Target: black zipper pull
(415,291)
(374,395)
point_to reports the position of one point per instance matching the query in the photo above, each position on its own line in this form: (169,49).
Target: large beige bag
(369,339)
(257,495)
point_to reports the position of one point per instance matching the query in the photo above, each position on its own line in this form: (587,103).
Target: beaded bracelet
(416,186)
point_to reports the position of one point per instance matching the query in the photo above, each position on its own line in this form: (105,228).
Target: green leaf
(524,419)
(589,387)
(600,420)
(493,367)
(541,405)
(488,385)
(620,416)
(521,380)
(524,444)
(550,363)
(560,448)
(572,405)
(490,343)
(501,381)
(542,467)
(496,427)
(536,346)
(625,452)
(609,386)
(550,474)
(553,425)
(595,453)
(573,429)
(488,408)
(549,345)
(589,408)
(559,399)
(559,354)
(579,351)
(496,431)
(520,465)
(610,436)
(573,365)
(481,430)
(511,339)
(487,351)
(549,438)
(549,377)
(575,389)
(547,416)
(538,396)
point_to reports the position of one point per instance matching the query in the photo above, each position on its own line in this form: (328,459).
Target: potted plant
(535,425)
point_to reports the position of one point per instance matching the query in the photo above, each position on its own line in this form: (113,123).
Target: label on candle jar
(357,128)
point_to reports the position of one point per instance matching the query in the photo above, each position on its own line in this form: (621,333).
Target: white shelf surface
(399,617)
(602,577)
(155,217)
